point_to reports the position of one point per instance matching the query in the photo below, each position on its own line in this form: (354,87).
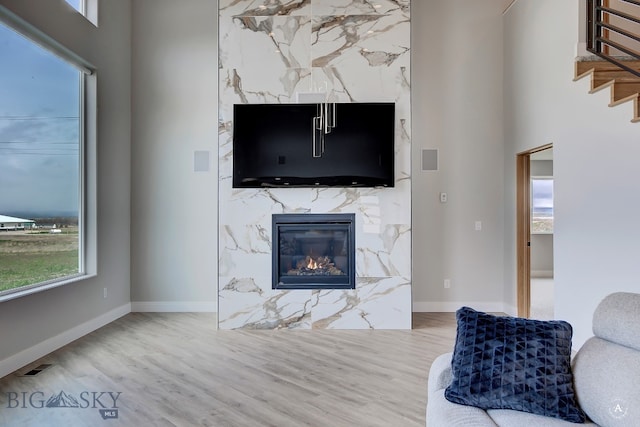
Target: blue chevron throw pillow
(513,363)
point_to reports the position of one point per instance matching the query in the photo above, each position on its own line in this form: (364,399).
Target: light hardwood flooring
(175,369)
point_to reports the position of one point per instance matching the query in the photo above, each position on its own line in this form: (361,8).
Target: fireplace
(314,251)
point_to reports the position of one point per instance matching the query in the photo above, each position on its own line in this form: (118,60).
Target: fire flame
(312,264)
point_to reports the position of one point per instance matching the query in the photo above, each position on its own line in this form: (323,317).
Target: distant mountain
(41,214)
(62,400)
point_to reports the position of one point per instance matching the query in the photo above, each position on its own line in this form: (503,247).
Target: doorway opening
(534,212)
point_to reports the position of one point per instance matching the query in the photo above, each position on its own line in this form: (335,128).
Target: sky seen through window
(39,130)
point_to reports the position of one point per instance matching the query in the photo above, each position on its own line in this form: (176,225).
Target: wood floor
(175,369)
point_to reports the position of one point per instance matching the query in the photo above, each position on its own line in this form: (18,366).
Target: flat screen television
(273,146)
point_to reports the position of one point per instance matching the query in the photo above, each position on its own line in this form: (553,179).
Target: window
(41,166)
(87,8)
(542,205)
(77,5)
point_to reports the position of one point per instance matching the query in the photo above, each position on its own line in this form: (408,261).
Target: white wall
(457,109)
(542,168)
(596,170)
(174,102)
(39,323)
(542,255)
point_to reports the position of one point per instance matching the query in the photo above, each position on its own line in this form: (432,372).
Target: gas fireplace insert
(313,251)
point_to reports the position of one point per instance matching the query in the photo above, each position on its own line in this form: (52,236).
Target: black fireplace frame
(318,221)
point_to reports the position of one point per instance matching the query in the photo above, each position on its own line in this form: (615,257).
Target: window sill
(46,286)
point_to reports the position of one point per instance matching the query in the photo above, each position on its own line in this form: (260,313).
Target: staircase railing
(613,31)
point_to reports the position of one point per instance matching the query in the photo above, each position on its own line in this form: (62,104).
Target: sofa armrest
(440,373)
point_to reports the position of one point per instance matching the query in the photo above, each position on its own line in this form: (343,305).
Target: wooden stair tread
(625,86)
(583,68)
(620,75)
(621,92)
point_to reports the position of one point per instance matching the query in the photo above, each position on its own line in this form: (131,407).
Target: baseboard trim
(31,354)
(543,274)
(174,307)
(511,310)
(452,306)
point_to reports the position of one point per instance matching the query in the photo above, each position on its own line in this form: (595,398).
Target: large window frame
(87,173)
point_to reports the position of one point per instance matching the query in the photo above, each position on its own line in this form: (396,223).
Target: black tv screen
(273,146)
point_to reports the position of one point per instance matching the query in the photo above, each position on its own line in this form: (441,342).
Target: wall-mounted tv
(312,145)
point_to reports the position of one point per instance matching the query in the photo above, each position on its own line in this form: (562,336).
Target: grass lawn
(22,269)
(26,259)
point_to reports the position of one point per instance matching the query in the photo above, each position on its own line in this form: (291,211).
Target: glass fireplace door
(313,251)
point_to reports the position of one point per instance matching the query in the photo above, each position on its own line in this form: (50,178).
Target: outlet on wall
(447,283)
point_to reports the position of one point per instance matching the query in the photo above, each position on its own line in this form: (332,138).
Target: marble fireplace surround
(273,51)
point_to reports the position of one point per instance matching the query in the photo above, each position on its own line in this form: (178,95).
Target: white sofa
(606,377)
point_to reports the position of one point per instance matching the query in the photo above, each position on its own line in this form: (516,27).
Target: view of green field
(35,256)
